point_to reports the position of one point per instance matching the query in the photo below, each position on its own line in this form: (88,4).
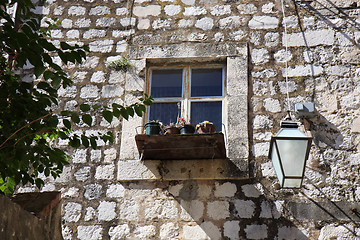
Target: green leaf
(67,123)
(47,172)
(39,182)
(85,107)
(108,115)
(130,111)
(85,141)
(96,106)
(74,142)
(93,142)
(116,112)
(124,113)
(65,113)
(65,46)
(87,119)
(75,117)
(63,135)
(138,111)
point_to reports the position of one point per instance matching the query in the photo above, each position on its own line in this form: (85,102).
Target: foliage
(29,126)
(121,64)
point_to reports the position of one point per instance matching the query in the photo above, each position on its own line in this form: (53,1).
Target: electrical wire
(286,60)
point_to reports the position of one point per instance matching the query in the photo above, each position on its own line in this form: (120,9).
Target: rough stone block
(106,211)
(192,210)
(145,232)
(129,210)
(260,56)
(263,22)
(310,38)
(232,22)
(218,210)
(82,23)
(244,208)
(261,149)
(94,33)
(82,174)
(89,91)
(169,231)
(247,8)
(99,10)
(205,23)
(105,172)
(302,71)
(77,10)
(232,229)
(90,214)
(256,231)
(93,232)
(219,10)
(72,212)
(211,230)
(172,10)
(92,191)
(136,170)
(194,232)
(103,46)
(150,10)
(119,232)
(293,233)
(225,190)
(161,209)
(109,91)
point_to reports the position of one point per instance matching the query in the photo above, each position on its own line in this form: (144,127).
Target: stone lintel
(211,169)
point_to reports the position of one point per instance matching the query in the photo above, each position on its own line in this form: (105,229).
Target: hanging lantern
(289,150)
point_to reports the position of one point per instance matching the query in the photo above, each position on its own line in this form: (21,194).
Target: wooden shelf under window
(181,147)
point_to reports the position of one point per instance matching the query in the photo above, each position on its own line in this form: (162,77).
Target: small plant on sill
(205,127)
(119,64)
(171,129)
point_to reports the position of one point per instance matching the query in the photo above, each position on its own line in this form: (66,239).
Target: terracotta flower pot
(171,130)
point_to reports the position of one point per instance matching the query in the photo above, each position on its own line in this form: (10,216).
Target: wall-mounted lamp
(289,150)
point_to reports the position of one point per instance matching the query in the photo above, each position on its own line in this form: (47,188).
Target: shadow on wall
(327,9)
(232,210)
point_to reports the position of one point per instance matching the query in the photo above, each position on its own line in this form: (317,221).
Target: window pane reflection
(166,83)
(206,82)
(164,112)
(207,111)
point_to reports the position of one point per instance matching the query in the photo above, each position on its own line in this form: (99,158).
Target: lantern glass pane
(292,154)
(292,183)
(276,163)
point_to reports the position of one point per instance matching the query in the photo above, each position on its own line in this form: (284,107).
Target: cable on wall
(286,61)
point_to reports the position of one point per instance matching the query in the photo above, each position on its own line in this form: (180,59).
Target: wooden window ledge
(181,147)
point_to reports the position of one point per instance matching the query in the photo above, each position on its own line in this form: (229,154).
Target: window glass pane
(164,112)
(206,82)
(166,83)
(207,111)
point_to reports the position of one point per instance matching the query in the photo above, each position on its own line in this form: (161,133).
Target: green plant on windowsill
(119,64)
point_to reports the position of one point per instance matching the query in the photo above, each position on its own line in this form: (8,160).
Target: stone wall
(322,62)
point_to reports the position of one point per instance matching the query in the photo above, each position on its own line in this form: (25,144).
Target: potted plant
(185,127)
(205,127)
(153,128)
(171,129)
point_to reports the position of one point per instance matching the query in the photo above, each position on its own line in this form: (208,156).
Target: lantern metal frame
(286,124)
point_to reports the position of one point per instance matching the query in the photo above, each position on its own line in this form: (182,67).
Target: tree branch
(25,127)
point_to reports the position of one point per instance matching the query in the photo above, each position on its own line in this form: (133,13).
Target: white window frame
(185,98)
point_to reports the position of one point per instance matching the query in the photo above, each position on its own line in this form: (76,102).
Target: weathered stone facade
(109,194)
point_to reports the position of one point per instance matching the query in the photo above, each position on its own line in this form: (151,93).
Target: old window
(195,93)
